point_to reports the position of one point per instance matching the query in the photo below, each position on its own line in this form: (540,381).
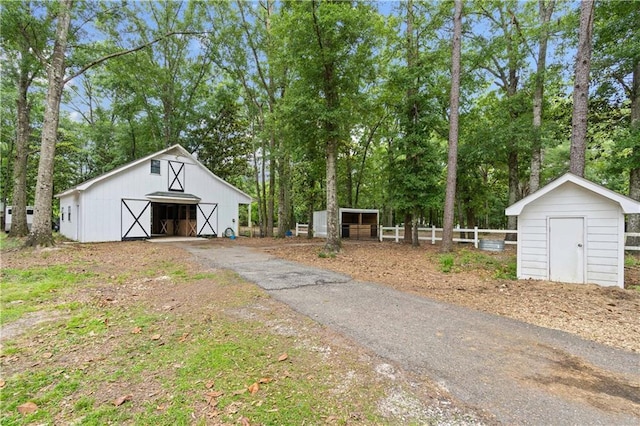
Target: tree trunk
(454,102)
(408,230)
(19,226)
(333,232)
(634,173)
(581,90)
(415,223)
(41,229)
(513,190)
(546,10)
(272,186)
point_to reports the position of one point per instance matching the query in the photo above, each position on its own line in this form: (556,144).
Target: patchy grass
(500,266)
(24,291)
(196,348)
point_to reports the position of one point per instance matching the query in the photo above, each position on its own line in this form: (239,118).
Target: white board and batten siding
(572,231)
(98,211)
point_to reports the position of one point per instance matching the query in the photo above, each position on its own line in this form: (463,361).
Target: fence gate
(135,219)
(207,219)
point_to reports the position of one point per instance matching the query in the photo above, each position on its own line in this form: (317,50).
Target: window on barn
(155,167)
(69,213)
(62,214)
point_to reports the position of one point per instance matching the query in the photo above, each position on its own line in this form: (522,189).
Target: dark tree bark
(581,90)
(545,10)
(40,234)
(454,105)
(19,226)
(634,173)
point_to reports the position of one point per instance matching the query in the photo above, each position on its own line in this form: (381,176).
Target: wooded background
(289,100)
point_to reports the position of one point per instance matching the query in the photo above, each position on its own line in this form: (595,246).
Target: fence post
(475,236)
(433,234)
(380,232)
(397,233)
(297,228)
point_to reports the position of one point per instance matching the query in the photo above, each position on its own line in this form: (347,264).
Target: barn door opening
(566,249)
(135,219)
(207,220)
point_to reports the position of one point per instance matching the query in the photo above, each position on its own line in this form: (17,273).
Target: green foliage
(447,262)
(501,266)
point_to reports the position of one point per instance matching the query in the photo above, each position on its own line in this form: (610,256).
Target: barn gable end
(127,202)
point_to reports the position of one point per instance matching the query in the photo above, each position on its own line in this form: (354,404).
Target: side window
(69,213)
(155,167)
(62,214)
(30,211)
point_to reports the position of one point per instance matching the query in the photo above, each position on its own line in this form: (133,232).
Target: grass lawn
(130,333)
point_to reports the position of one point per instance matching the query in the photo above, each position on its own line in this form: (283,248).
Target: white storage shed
(572,230)
(168,193)
(353,223)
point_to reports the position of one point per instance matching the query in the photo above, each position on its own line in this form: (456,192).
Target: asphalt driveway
(519,373)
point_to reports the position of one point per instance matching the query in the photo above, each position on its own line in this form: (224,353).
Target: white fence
(302,229)
(631,234)
(434,234)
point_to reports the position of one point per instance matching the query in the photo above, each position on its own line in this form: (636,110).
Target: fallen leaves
(119,401)
(283,357)
(255,387)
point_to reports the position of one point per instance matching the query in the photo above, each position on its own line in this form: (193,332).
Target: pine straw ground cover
(483,281)
(136,333)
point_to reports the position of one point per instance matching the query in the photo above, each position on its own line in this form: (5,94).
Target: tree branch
(124,52)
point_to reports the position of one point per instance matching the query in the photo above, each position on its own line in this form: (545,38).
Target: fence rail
(302,228)
(434,234)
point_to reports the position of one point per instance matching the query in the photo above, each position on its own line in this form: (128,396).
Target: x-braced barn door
(176,176)
(135,219)
(207,220)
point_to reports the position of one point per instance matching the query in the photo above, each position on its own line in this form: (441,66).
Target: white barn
(572,230)
(163,194)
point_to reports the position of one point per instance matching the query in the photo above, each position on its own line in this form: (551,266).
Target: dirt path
(521,374)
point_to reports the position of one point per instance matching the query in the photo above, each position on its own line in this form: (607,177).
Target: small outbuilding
(572,230)
(353,223)
(168,193)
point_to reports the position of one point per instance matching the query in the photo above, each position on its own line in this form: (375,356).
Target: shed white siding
(604,241)
(96,211)
(320,224)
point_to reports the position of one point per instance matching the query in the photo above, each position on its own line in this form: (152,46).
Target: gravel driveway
(516,372)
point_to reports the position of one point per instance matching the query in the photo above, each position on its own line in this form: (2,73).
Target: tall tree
(330,46)
(41,228)
(545,11)
(454,104)
(505,59)
(22,33)
(581,90)
(616,68)
(41,234)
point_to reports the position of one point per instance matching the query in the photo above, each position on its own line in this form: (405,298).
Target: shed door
(135,222)
(566,249)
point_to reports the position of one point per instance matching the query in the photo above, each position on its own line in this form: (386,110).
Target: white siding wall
(320,223)
(603,221)
(101,209)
